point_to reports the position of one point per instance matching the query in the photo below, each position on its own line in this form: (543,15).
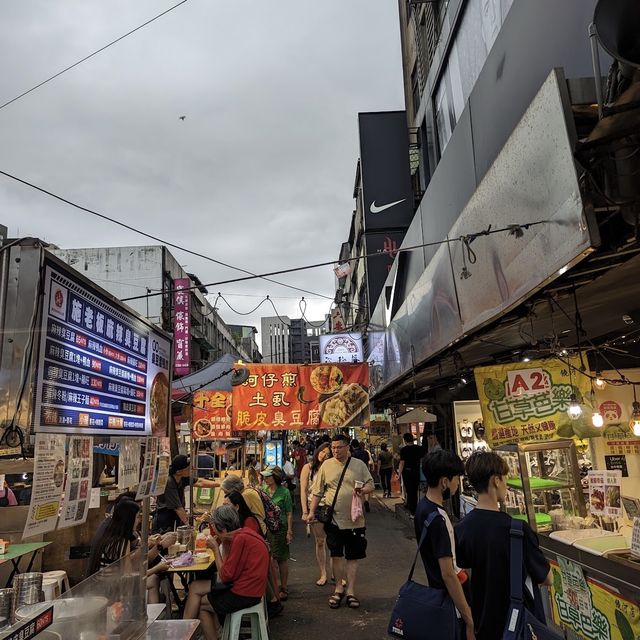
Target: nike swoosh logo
(384,207)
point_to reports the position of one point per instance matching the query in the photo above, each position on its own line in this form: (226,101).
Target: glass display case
(544,486)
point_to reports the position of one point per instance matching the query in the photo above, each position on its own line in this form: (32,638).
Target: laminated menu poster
(148,468)
(77,492)
(604,493)
(129,466)
(48,480)
(162,474)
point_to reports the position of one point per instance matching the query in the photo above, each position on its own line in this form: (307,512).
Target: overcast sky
(259,174)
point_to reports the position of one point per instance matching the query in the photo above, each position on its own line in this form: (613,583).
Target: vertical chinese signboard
(101,368)
(528,402)
(182,326)
(212,415)
(302,396)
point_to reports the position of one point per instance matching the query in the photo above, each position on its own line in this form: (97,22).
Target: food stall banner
(290,396)
(101,369)
(528,401)
(182,326)
(48,481)
(610,615)
(615,403)
(212,415)
(77,489)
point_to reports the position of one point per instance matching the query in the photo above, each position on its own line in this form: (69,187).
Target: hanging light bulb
(634,423)
(597,420)
(599,383)
(575,410)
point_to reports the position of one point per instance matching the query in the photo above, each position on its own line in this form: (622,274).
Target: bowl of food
(201,556)
(202,428)
(159,404)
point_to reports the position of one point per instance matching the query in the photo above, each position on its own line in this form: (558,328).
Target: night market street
(390,550)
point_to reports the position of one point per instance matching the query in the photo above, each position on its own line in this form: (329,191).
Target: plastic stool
(61,577)
(233,622)
(50,588)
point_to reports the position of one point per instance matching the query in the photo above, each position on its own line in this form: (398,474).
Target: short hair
(340,438)
(296,442)
(355,444)
(441,464)
(232,483)
(482,466)
(226,518)
(407,437)
(383,446)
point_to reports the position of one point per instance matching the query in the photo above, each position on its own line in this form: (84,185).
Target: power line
(516,230)
(165,242)
(75,64)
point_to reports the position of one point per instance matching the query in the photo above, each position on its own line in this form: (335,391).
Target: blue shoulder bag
(423,612)
(521,624)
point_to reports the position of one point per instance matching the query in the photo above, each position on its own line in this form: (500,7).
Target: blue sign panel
(101,369)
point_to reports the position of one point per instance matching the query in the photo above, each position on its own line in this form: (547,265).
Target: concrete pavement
(390,551)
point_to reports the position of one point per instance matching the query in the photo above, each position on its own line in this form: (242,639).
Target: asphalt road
(307,615)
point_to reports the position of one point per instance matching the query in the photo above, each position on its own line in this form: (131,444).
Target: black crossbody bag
(324,513)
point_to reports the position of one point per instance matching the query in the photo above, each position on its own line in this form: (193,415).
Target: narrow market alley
(307,615)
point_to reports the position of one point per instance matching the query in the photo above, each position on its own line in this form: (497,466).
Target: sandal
(321,582)
(284,595)
(336,600)
(353,602)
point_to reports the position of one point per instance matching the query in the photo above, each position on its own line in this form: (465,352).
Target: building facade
(144,278)
(245,336)
(292,340)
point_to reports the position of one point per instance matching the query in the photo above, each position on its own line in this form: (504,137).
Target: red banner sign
(212,415)
(182,326)
(289,396)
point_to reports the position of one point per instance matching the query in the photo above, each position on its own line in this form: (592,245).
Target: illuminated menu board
(101,370)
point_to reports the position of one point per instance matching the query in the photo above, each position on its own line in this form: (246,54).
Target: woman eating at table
(242,573)
(247,518)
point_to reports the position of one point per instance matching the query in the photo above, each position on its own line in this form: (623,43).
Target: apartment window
(415,88)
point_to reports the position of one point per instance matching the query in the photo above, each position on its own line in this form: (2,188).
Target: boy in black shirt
(442,469)
(484,547)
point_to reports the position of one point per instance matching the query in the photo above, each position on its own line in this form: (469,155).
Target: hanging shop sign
(48,484)
(182,326)
(528,402)
(101,369)
(293,396)
(212,415)
(615,403)
(341,347)
(592,610)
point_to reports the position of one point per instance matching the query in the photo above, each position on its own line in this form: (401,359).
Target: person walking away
(280,541)
(442,470)
(409,470)
(346,539)
(309,472)
(483,545)
(244,569)
(385,469)
(359,452)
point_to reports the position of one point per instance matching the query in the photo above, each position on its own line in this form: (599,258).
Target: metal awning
(419,414)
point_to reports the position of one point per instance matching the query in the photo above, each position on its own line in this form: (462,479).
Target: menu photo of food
(159,405)
(604,493)
(202,428)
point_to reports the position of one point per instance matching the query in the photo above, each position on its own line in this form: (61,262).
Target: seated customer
(483,545)
(245,569)
(251,497)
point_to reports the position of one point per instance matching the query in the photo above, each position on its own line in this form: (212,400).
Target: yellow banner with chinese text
(289,396)
(528,402)
(603,615)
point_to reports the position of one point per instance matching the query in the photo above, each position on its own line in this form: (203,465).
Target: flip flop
(336,600)
(353,602)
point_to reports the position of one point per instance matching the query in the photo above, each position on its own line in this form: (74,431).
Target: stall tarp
(206,378)
(419,414)
(528,401)
(290,396)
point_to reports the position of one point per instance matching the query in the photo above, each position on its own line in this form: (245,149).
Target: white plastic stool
(61,578)
(50,588)
(233,621)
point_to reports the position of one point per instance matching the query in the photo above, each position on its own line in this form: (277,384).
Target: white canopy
(419,414)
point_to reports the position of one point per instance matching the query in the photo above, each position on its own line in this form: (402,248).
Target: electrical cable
(165,242)
(467,238)
(75,64)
